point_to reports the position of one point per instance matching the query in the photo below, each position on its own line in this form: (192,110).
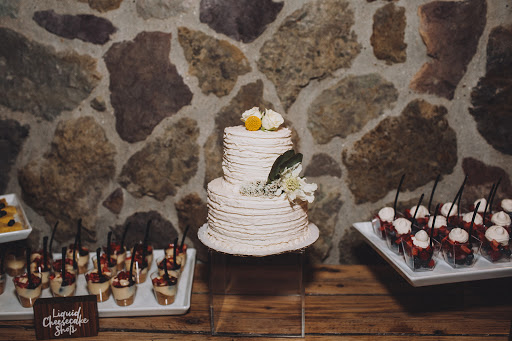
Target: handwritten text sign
(64,317)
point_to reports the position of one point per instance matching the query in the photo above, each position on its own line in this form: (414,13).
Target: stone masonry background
(113,110)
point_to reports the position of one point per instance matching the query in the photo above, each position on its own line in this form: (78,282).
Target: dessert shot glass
(461,255)
(27,291)
(99,285)
(164,287)
(496,245)
(173,269)
(140,268)
(63,286)
(123,289)
(418,258)
(15,262)
(112,266)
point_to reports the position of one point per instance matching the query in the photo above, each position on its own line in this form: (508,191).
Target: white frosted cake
(248,224)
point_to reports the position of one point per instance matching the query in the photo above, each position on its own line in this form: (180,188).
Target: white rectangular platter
(145,303)
(442,273)
(20,217)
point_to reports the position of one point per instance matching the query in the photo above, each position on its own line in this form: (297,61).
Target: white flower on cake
(271,120)
(294,186)
(255,111)
(283,179)
(255,119)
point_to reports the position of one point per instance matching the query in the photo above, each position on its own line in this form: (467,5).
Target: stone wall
(112,111)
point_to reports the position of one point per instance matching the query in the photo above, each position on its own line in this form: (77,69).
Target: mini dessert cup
(440,229)
(383,221)
(15,262)
(111,266)
(181,254)
(82,257)
(37,267)
(174,270)
(140,269)
(506,206)
(57,265)
(149,254)
(99,286)
(123,289)
(401,231)
(164,287)
(63,288)
(496,245)
(118,254)
(27,292)
(461,255)
(420,258)
(502,219)
(421,218)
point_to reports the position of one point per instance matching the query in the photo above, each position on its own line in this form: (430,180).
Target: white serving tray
(145,303)
(442,273)
(20,217)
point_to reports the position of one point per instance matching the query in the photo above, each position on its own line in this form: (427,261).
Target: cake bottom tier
(244,225)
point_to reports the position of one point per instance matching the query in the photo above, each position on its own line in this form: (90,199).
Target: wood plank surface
(348,302)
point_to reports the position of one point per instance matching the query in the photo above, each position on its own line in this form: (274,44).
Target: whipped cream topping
(446,208)
(387,214)
(458,235)
(402,226)
(440,221)
(467,217)
(506,205)
(501,219)
(421,239)
(497,233)
(422,211)
(482,202)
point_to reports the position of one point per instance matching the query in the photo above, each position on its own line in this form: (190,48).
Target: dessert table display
(145,303)
(343,302)
(442,273)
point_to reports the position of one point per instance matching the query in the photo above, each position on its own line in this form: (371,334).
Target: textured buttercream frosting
(253,225)
(249,155)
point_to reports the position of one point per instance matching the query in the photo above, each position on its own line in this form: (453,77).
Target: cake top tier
(249,155)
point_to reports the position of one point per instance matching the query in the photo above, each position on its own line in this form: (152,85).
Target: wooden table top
(349,302)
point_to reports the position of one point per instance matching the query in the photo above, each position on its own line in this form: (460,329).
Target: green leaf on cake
(287,160)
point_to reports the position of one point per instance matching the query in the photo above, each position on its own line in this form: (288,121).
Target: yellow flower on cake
(255,111)
(271,120)
(252,123)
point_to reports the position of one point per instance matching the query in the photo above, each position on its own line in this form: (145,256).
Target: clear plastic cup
(164,288)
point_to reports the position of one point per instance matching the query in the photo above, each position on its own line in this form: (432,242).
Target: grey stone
(346,107)
(451,31)
(242,20)
(163,165)
(216,63)
(162,9)
(103,5)
(98,104)
(310,44)
(492,96)
(145,87)
(377,161)
(12,136)
(43,82)
(86,27)
(323,164)
(114,202)
(9,8)
(67,183)
(388,34)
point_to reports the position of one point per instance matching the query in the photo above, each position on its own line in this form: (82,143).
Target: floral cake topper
(283,178)
(255,119)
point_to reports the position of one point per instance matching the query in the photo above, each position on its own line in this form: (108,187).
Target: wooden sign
(65,317)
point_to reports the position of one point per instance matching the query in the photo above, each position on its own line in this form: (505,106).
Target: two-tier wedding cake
(259,206)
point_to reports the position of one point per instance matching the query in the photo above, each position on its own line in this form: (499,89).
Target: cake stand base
(257,296)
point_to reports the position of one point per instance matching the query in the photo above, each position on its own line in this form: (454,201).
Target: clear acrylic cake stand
(257,296)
